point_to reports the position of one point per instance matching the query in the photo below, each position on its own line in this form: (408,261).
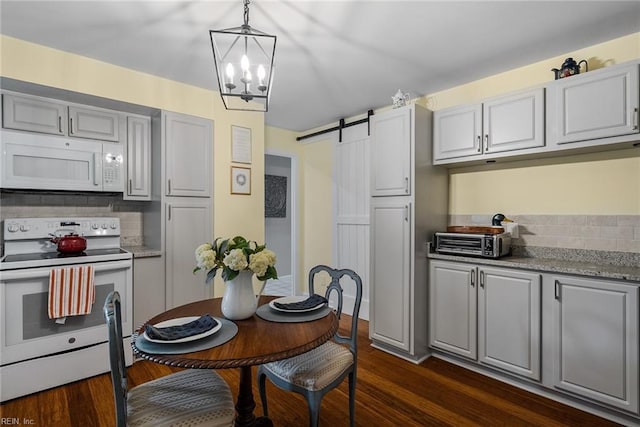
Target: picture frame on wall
(240,144)
(240,180)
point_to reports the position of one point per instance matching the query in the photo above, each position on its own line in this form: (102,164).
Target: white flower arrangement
(235,255)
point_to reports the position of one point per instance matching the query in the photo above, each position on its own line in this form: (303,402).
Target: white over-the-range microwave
(50,162)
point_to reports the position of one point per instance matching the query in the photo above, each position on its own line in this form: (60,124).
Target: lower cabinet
(188,225)
(588,329)
(148,292)
(489,315)
(390,298)
(595,342)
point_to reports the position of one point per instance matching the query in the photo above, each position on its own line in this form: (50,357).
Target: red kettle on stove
(69,244)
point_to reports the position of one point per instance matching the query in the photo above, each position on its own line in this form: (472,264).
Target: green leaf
(229,274)
(271,273)
(211,274)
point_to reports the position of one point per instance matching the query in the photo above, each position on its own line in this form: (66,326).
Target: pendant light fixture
(244,63)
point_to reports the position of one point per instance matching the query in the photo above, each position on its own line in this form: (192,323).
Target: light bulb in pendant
(230,73)
(261,74)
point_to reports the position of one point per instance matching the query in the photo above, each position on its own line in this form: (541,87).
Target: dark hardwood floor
(390,392)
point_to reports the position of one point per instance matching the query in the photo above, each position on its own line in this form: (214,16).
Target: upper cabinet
(500,124)
(188,143)
(138,186)
(391,137)
(595,105)
(34,114)
(44,115)
(94,123)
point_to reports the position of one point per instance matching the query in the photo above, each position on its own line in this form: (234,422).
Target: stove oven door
(26,332)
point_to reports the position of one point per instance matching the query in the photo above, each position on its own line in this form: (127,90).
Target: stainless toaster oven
(481,245)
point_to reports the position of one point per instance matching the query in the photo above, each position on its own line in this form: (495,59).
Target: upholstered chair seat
(315,369)
(188,398)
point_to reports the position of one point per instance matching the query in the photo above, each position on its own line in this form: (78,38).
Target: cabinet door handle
(482,279)
(130,186)
(71,125)
(556,290)
(169,212)
(169,186)
(406,184)
(635,119)
(486,142)
(406,213)
(60,124)
(473,278)
(479,144)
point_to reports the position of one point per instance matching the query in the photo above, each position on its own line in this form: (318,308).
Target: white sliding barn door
(352,212)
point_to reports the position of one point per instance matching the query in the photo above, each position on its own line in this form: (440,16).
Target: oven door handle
(42,271)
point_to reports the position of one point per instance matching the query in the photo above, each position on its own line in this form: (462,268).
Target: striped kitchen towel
(71,291)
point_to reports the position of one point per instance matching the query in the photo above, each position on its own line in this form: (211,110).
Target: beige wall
(597,184)
(605,183)
(314,199)
(233,214)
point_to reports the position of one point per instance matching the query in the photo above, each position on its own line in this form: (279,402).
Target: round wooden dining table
(258,341)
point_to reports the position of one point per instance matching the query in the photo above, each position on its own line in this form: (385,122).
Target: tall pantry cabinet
(187,165)
(409,203)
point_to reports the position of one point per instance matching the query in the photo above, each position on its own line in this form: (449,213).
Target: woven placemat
(226,333)
(267,313)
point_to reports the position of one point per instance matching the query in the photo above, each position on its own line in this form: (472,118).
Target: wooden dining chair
(194,397)
(316,372)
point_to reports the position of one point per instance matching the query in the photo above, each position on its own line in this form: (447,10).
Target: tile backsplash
(26,204)
(619,233)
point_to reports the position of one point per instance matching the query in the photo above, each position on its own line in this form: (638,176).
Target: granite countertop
(141,251)
(609,265)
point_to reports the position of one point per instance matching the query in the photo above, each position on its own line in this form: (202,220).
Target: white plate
(288,300)
(181,321)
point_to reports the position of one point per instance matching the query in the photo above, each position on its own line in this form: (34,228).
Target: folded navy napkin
(172,333)
(311,302)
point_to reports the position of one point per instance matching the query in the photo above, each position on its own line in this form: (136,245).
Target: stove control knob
(25,228)
(13,228)
(114,225)
(104,226)
(94,226)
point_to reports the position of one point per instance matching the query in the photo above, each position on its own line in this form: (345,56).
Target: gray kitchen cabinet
(390,298)
(509,320)
(138,184)
(401,221)
(188,143)
(595,105)
(488,315)
(499,124)
(391,146)
(45,115)
(34,114)
(596,340)
(453,308)
(94,123)
(148,289)
(188,225)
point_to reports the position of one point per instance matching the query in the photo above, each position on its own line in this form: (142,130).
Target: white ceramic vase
(239,300)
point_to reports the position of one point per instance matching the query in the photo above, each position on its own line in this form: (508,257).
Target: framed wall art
(240,180)
(240,144)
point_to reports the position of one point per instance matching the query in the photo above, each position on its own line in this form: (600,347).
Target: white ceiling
(334,59)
